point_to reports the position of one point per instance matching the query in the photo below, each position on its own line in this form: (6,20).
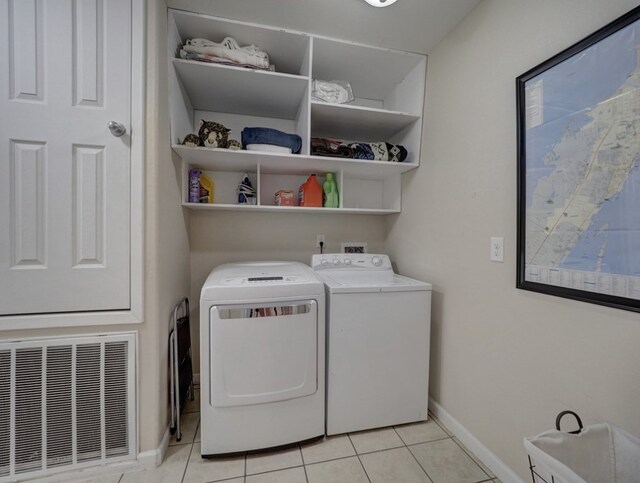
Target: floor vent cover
(66,404)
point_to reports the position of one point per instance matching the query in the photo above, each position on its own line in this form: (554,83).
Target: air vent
(66,404)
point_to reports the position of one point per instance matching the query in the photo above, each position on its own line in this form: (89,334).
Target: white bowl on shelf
(268,148)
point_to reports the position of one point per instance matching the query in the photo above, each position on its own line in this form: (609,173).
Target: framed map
(579,170)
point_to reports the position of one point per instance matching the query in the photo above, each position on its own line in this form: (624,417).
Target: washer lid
(359,281)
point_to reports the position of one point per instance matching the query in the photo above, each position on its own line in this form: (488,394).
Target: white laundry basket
(599,453)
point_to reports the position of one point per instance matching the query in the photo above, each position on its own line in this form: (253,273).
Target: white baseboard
(154,457)
(484,454)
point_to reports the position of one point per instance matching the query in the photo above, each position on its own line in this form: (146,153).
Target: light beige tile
(292,475)
(328,448)
(392,466)
(375,440)
(202,470)
(189,426)
(86,475)
(420,432)
(196,439)
(273,460)
(345,470)
(193,406)
(445,462)
(99,479)
(475,458)
(170,471)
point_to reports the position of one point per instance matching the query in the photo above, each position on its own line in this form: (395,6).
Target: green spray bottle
(330,192)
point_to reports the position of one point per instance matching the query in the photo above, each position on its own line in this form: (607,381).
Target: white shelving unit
(388,87)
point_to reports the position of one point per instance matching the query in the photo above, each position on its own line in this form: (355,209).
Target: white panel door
(65,72)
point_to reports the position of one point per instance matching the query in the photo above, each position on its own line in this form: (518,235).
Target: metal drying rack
(180,364)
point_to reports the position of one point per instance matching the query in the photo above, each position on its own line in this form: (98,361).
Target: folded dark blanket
(265,135)
(362,151)
(395,153)
(329,147)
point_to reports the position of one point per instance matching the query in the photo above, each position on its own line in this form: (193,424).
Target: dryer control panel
(351,261)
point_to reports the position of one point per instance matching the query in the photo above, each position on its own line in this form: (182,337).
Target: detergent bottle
(330,187)
(310,192)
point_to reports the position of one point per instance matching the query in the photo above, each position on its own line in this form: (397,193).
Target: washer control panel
(351,261)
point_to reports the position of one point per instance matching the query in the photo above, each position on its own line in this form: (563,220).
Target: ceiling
(411,25)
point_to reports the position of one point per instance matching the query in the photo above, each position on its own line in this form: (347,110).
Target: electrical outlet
(320,238)
(497,249)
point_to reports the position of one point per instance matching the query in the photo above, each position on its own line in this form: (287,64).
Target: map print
(583,169)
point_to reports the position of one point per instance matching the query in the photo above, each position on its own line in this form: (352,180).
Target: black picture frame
(546,239)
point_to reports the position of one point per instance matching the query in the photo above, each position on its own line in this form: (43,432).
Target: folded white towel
(334,92)
(229,49)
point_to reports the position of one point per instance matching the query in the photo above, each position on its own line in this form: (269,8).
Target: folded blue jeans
(265,135)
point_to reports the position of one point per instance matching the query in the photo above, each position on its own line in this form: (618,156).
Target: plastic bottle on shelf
(310,193)
(331,199)
(194,185)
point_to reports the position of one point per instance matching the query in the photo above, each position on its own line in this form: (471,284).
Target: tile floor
(420,452)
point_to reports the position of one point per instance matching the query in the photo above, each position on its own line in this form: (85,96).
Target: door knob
(117,129)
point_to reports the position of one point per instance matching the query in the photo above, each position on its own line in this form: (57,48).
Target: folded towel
(211,59)
(335,92)
(395,153)
(265,135)
(362,151)
(330,147)
(229,49)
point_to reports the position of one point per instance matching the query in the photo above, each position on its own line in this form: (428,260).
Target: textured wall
(504,362)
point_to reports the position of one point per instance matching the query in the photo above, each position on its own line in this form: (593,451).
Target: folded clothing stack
(211,59)
(395,153)
(227,52)
(333,92)
(252,136)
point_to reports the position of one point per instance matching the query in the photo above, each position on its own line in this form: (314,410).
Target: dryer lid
(259,273)
(259,280)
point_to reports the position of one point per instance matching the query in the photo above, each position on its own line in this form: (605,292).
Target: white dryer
(378,326)
(262,351)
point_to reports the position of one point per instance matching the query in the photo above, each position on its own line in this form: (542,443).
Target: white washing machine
(378,326)
(262,350)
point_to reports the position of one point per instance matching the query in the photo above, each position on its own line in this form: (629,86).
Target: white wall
(167,243)
(504,362)
(223,237)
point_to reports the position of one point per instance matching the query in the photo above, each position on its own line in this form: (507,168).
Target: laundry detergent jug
(310,193)
(331,199)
